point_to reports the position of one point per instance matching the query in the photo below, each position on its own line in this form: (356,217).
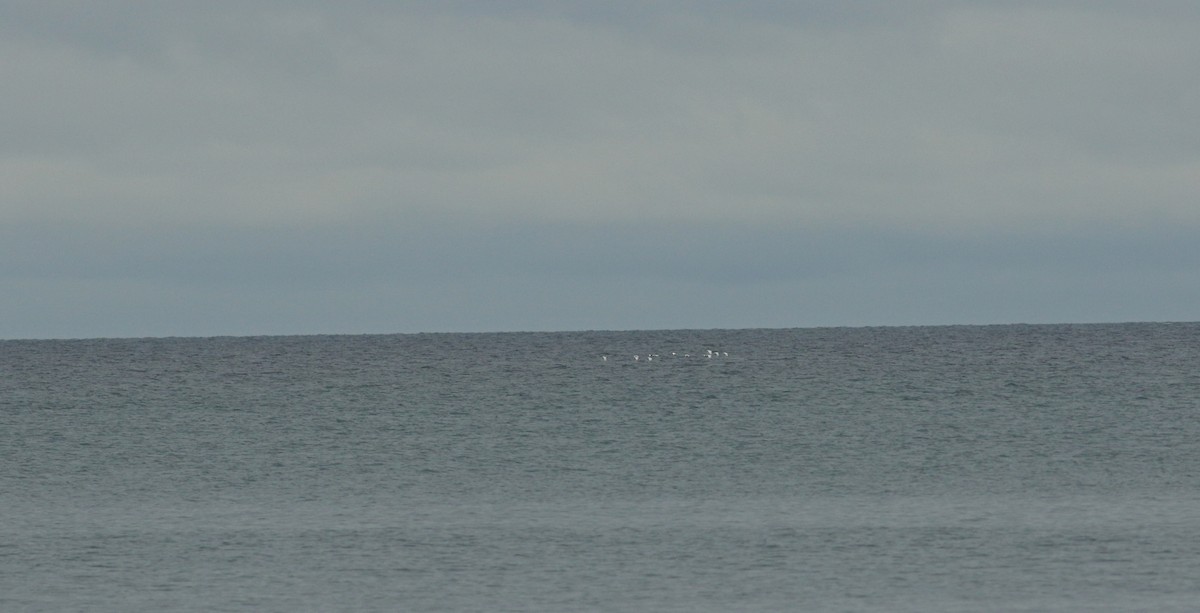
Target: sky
(300,167)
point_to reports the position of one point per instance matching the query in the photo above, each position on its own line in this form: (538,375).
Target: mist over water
(1001,468)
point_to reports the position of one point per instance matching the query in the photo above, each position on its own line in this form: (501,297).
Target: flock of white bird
(650,357)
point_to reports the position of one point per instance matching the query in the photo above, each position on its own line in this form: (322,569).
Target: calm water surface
(968,468)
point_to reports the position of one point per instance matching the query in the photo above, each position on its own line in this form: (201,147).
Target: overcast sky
(293,167)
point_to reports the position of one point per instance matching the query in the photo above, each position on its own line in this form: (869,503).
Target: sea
(943,468)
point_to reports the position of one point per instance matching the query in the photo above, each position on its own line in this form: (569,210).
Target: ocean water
(964,468)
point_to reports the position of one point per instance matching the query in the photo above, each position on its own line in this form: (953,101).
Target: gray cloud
(521,154)
(465,276)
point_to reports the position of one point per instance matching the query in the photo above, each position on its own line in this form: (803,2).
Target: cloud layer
(287,167)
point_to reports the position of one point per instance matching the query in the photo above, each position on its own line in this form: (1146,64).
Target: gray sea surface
(957,468)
